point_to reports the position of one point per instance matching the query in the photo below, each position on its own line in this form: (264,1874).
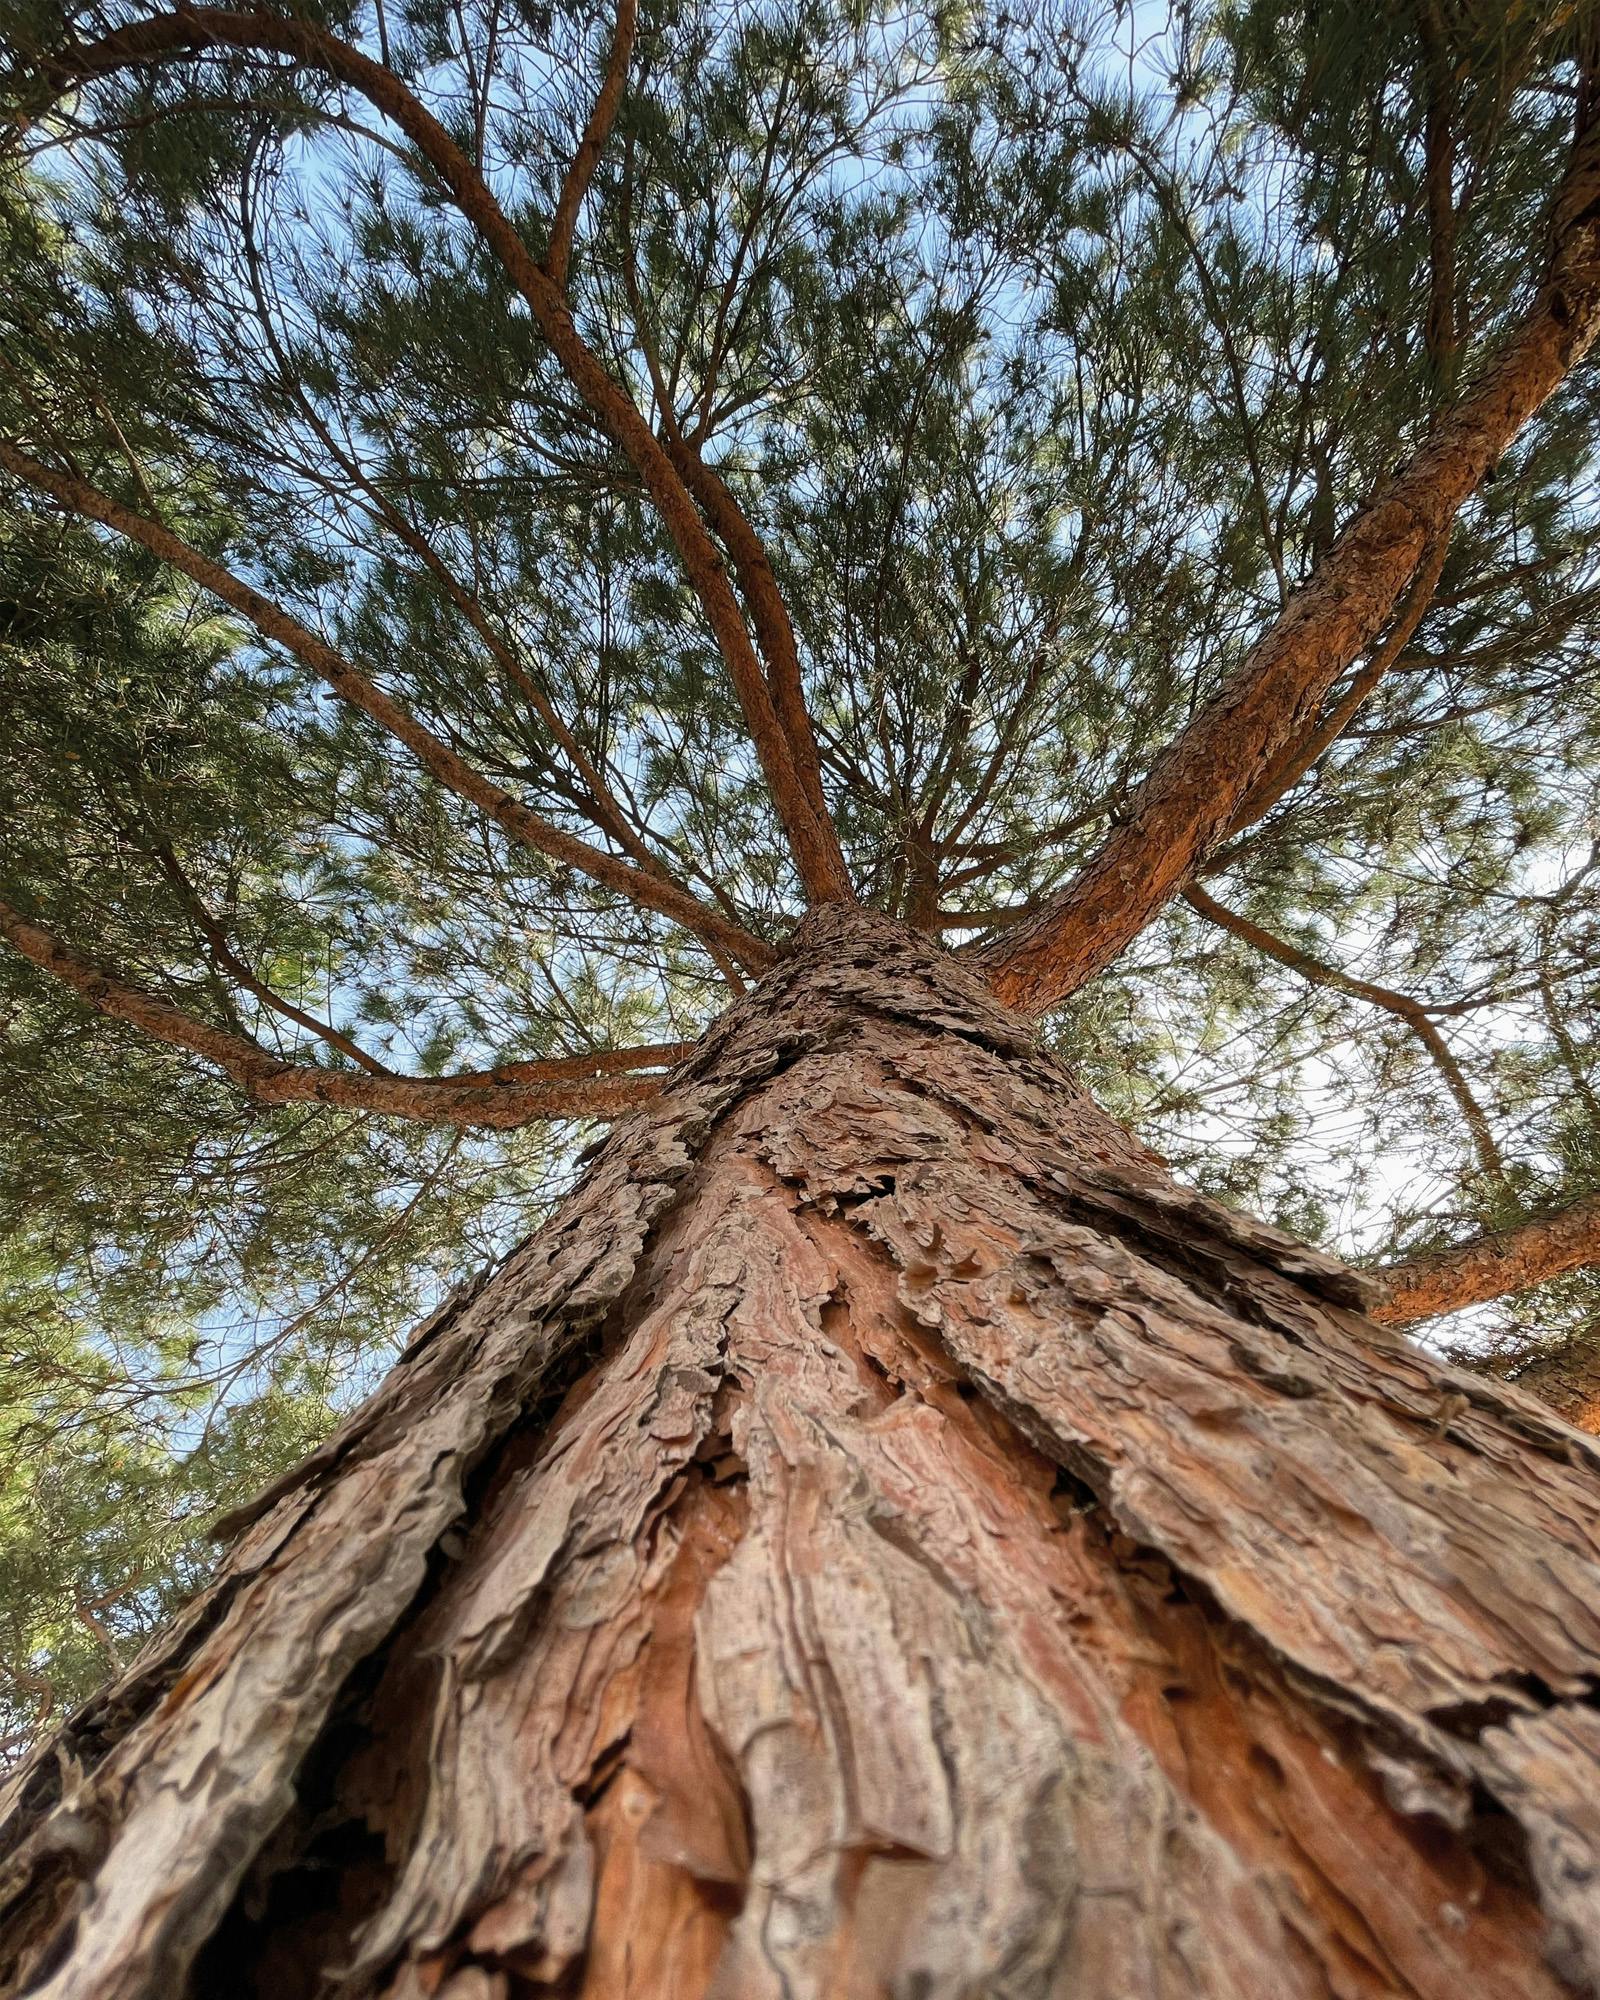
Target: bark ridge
(882,1537)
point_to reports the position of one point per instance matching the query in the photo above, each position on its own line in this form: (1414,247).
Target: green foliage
(1046,350)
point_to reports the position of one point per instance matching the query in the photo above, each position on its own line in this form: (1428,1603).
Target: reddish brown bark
(769,614)
(1568,1379)
(562,1087)
(882,1537)
(1304,751)
(1241,739)
(1488,1267)
(592,144)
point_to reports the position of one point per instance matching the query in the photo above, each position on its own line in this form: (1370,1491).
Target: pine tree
(877,668)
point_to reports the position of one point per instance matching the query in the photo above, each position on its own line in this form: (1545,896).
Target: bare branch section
(1488,1267)
(646,890)
(565,1087)
(1298,756)
(811,834)
(591,145)
(1401,1005)
(1194,792)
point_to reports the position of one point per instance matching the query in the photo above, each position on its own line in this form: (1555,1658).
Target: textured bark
(592,144)
(1488,1267)
(1568,1379)
(881,1537)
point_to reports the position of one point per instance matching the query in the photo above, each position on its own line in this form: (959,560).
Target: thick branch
(1298,756)
(811,837)
(768,612)
(1488,1267)
(1401,1005)
(1196,788)
(646,890)
(565,1087)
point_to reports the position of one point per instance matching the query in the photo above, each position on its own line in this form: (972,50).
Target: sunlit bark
(881,1537)
(1489,1267)
(1218,772)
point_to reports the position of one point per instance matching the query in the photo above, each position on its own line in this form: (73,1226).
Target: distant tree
(976,630)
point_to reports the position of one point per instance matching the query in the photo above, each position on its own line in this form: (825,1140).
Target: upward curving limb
(1298,756)
(812,838)
(769,614)
(1197,788)
(564,1087)
(645,890)
(591,145)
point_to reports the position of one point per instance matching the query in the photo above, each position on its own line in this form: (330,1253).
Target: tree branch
(1441,334)
(769,614)
(1298,757)
(230,962)
(563,1087)
(1488,1267)
(811,835)
(1401,1005)
(1191,796)
(645,890)
(591,145)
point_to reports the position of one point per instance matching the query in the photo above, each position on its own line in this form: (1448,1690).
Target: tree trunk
(882,1537)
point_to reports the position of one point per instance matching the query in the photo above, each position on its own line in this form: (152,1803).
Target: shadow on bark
(883,1537)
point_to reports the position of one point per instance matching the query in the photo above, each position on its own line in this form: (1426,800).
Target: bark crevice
(881,1537)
